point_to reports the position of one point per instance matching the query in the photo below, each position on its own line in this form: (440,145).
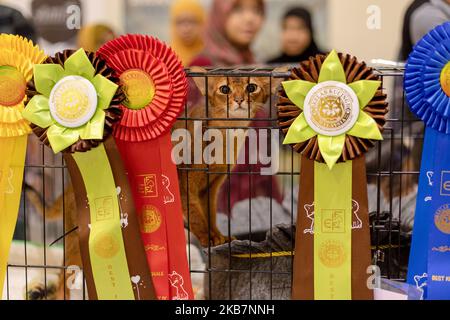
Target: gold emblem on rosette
(445,79)
(12,86)
(150,219)
(331,108)
(332,254)
(139,88)
(106,245)
(442,219)
(73,101)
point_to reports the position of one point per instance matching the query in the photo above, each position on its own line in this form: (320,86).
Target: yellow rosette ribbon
(332,114)
(69,112)
(17,58)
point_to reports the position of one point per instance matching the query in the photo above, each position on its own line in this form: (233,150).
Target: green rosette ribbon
(71,112)
(331,121)
(331,145)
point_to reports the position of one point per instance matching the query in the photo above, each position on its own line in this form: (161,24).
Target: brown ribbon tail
(134,248)
(303,273)
(83,220)
(361,245)
(303,281)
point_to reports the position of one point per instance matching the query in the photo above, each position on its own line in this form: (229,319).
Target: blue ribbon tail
(429,262)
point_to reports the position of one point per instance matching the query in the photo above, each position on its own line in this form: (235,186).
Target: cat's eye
(225,90)
(251,88)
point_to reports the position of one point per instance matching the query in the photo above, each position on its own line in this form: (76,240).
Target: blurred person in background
(297,37)
(92,37)
(428,16)
(232,28)
(13,22)
(187,19)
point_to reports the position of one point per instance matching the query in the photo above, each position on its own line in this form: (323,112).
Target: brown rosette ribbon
(314,107)
(68,72)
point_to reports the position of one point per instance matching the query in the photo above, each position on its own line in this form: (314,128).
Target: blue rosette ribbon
(427,87)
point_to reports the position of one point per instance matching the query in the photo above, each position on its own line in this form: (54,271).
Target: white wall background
(340,24)
(348,31)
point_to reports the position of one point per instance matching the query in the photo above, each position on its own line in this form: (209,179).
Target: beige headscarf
(185,52)
(92,37)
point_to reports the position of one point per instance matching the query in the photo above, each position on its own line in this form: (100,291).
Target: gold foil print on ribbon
(138,87)
(442,219)
(332,254)
(151,219)
(106,245)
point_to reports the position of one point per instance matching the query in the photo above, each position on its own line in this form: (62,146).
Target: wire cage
(258,265)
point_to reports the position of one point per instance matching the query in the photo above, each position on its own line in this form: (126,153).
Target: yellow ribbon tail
(333,231)
(12,163)
(106,246)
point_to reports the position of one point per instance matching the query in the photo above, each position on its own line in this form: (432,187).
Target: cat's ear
(200,82)
(276,82)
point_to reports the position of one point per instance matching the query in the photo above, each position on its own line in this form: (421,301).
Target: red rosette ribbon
(156,87)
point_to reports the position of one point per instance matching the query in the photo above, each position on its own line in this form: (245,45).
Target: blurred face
(188,28)
(244,22)
(296,36)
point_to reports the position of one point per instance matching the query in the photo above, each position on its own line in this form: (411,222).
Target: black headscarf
(311,50)
(13,22)
(407,43)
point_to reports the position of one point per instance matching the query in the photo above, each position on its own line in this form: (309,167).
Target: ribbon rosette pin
(155,86)
(72,101)
(75,103)
(17,58)
(332,110)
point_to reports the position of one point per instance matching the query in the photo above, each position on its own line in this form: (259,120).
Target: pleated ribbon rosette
(155,86)
(74,104)
(17,58)
(332,111)
(427,87)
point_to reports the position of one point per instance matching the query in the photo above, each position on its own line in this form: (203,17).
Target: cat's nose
(239,100)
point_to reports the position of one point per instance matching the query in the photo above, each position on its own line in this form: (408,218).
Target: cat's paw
(219,239)
(38,291)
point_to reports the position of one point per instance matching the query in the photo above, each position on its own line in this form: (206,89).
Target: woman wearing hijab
(298,42)
(92,37)
(187,18)
(232,28)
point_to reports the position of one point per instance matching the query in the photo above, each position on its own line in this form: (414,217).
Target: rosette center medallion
(12,86)
(331,108)
(73,101)
(139,88)
(445,79)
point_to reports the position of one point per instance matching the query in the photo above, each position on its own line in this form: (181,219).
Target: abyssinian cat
(233,102)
